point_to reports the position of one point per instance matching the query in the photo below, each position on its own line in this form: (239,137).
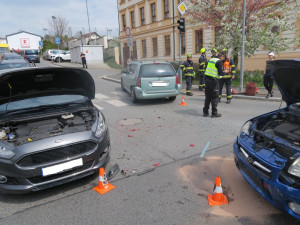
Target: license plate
(159,84)
(61,167)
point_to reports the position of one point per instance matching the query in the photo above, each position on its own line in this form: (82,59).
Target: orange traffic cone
(183,102)
(217,198)
(233,91)
(257,90)
(103,185)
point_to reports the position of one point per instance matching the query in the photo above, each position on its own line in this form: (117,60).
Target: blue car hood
(26,83)
(286,74)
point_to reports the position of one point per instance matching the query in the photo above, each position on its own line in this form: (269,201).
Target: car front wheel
(122,85)
(133,96)
(171,99)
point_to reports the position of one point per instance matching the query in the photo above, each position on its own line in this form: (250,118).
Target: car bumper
(141,94)
(277,193)
(22,180)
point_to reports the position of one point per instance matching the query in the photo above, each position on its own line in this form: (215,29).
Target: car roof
(149,62)
(9,61)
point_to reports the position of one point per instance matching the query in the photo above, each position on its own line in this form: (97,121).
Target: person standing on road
(229,74)
(188,68)
(213,72)
(268,78)
(83,60)
(202,67)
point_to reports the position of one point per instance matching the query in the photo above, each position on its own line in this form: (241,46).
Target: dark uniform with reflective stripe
(202,67)
(229,71)
(188,69)
(213,71)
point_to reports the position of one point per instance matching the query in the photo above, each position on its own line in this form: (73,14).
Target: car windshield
(31,52)
(41,101)
(156,70)
(12,56)
(3,49)
(13,65)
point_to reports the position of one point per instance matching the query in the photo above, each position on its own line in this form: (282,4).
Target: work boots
(189,93)
(214,115)
(228,101)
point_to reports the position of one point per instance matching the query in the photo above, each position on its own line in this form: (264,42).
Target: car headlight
(294,169)
(246,128)
(5,153)
(101,126)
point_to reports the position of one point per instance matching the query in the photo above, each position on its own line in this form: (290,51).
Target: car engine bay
(23,132)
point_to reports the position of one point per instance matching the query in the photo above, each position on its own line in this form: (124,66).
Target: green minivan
(150,80)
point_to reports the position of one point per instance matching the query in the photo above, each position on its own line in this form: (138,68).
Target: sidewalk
(260,95)
(79,65)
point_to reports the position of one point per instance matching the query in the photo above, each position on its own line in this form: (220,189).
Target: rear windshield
(31,52)
(13,65)
(156,70)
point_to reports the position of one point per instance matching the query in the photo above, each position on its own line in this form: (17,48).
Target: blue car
(267,150)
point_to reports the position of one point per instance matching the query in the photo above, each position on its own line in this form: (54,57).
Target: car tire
(122,85)
(171,99)
(133,96)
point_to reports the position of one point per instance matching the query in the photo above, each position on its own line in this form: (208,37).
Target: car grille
(252,159)
(41,179)
(56,154)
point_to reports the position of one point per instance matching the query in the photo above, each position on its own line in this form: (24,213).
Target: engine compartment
(280,131)
(34,129)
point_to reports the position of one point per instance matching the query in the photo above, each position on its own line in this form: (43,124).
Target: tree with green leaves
(267,23)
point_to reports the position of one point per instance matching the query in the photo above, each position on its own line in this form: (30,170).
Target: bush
(250,76)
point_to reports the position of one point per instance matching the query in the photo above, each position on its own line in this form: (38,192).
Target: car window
(13,65)
(41,101)
(156,70)
(31,52)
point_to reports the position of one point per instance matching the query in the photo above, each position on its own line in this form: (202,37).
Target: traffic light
(181,25)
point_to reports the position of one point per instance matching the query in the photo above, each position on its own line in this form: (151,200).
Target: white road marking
(100,96)
(117,103)
(97,106)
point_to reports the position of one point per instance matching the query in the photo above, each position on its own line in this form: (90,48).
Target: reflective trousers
(227,82)
(202,79)
(189,81)
(211,95)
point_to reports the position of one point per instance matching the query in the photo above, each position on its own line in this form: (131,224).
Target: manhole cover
(129,122)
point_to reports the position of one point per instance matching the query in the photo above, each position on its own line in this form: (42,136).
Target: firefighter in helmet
(202,67)
(188,69)
(229,74)
(214,53)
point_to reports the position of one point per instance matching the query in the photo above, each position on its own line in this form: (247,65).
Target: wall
(32,41)
(93,54)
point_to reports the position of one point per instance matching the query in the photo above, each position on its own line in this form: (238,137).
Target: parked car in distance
(4,48)
(50,131)
(150,80)
(267,150)
(31,55)
(6,56)
(13,63)
(49,53)
(61,56)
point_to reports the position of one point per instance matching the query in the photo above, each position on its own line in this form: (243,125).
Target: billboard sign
(25,42)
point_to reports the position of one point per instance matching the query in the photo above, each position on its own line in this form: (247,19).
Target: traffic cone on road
(103,185)
(217,198)
(233,91)
(183,102)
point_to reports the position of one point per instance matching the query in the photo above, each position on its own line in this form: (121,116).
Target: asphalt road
(158,144)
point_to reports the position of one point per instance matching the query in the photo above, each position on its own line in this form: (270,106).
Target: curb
(272,99)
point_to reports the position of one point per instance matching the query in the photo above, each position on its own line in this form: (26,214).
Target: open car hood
(287,77)
(36,82)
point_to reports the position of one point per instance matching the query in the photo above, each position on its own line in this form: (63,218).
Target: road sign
(57,40)
(129,41)
(40,43)
(127,31)
(182,8)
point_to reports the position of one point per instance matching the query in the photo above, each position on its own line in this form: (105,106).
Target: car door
(125,77)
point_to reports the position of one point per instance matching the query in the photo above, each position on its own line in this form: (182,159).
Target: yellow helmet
(214,50)
(189,55)
(203,50)
(225,50)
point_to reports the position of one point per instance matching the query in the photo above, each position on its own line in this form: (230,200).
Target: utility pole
(87,12)
(243,49)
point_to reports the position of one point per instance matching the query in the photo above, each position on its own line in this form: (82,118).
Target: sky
(33,16)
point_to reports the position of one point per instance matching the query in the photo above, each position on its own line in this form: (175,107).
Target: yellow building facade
(148,31)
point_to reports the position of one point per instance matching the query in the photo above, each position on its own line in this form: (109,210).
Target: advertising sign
(25,42)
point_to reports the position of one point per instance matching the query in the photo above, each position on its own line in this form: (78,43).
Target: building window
(144,48)
(124,21)
(167,45)
(198,40)
(154,43)
(132,19)
(166,9)
(142,16)
(153,12)
(182,44)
